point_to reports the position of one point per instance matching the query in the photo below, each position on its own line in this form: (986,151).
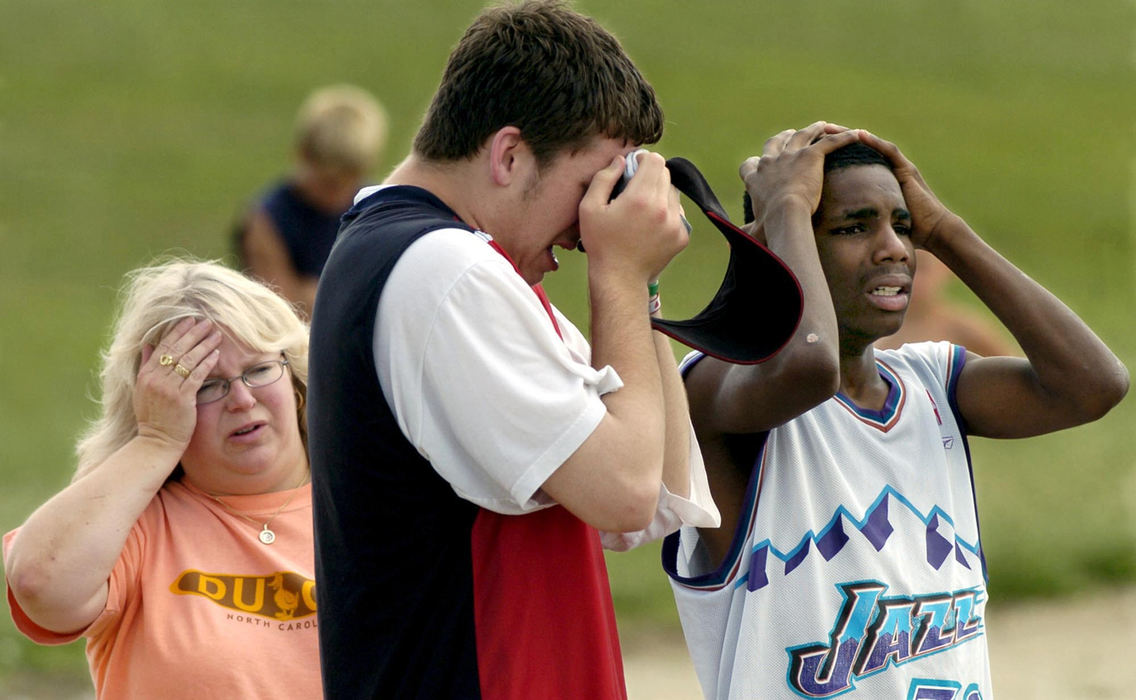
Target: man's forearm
(676,450)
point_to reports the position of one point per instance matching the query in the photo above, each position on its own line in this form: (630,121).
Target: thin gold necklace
(266,536)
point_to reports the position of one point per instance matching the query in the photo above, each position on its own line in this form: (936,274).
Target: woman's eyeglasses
(258,375)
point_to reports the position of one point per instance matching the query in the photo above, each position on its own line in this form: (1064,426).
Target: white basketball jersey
(856,569)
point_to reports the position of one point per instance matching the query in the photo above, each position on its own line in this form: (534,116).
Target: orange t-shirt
(198,607)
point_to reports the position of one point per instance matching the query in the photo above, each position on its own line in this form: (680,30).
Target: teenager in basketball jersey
(849,561)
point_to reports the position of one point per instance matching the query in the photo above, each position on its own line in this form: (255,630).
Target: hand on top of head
(165,394)
(642,229)
(791,167)
(928,214)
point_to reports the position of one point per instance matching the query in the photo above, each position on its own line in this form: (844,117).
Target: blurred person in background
(182,548)
(285,237)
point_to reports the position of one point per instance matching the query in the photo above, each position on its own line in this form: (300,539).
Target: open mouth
(889,297)
(246,430)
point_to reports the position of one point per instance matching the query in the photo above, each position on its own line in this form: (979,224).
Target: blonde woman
(182,548)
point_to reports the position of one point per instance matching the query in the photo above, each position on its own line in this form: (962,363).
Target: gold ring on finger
(166,360)
(182,370)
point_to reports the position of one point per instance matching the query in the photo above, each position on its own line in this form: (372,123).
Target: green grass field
(132,128)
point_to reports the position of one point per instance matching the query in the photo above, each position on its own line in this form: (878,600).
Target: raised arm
(730,400)
(676,450)
(61,559)
(1068,377)
(612,480)
(785,186)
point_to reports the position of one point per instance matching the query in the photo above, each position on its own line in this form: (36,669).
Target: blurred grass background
(131,128)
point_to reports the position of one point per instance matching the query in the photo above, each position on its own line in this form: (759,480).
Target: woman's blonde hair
(156,297)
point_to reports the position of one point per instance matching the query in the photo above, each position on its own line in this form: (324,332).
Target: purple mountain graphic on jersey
(876,527)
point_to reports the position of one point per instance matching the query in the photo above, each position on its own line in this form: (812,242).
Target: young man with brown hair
(467,444)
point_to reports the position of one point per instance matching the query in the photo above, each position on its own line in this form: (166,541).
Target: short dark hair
(855,153)
(549,71)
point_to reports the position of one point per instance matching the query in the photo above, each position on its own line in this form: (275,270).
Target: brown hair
(549,71)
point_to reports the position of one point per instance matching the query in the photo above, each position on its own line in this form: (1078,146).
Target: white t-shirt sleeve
(454,314)
(699,510)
